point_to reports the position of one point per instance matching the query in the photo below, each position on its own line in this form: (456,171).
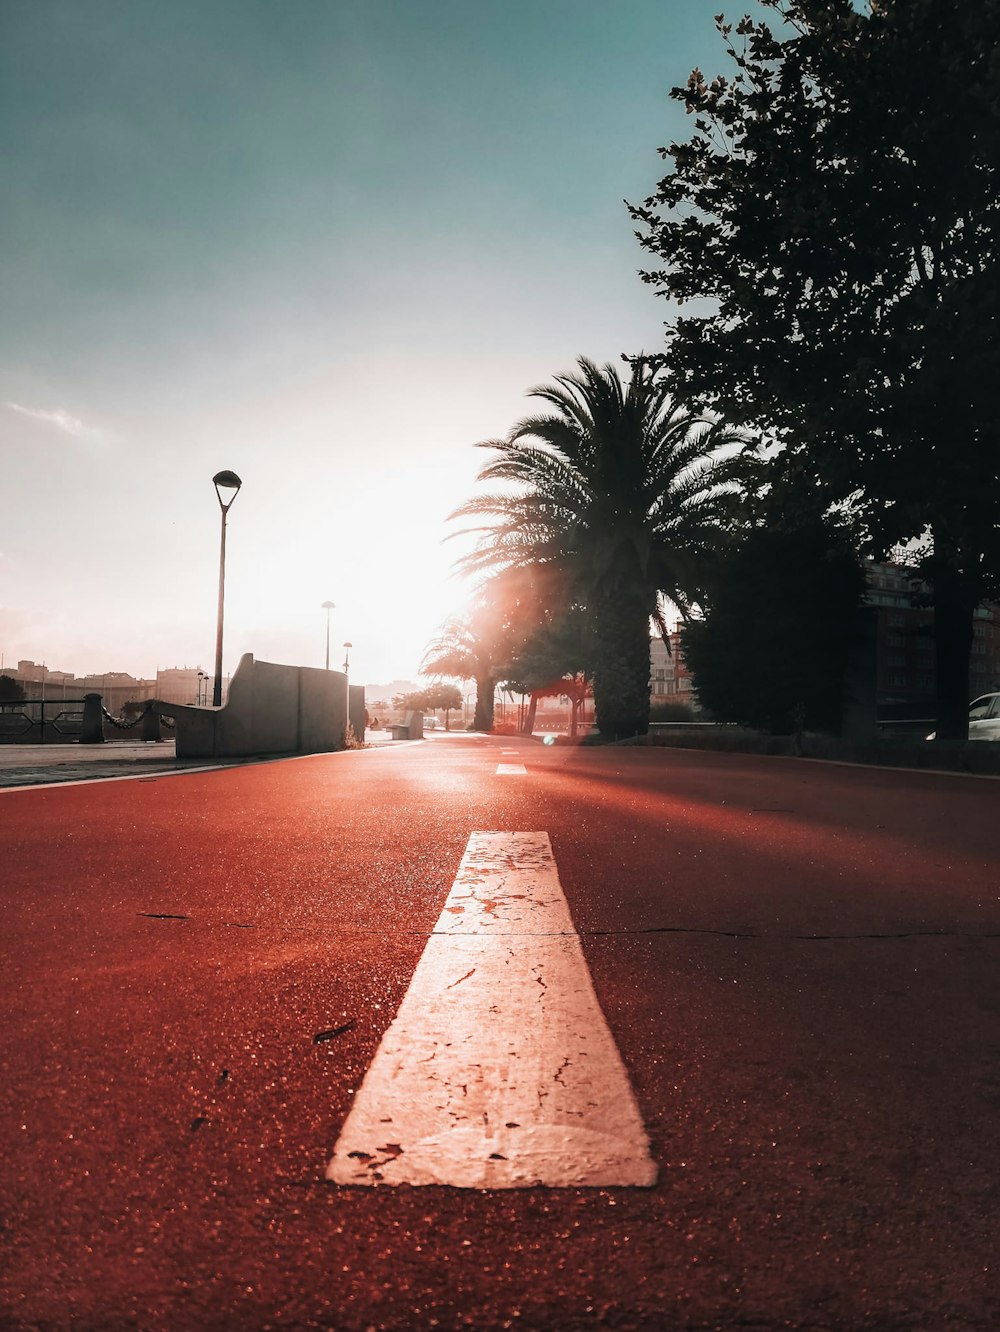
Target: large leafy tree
(11,690)
(436,697)
(833,218)
(774,648)
(620,493)
(555,660)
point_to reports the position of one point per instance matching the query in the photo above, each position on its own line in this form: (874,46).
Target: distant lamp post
(202,687)
(347,656)
(328,606)
(223,481)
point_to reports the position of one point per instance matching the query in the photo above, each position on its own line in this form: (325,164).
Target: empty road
(476,1032)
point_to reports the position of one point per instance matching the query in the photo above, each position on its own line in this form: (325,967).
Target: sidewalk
(34,765)
(31,765)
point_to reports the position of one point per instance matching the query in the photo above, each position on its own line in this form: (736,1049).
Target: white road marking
(511,770)
(510,751)
(499,1070)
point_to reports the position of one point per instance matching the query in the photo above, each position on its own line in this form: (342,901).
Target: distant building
(186,684)
(175,684)
(116,688)
(31,672)
(904,647)
(670,681)
(904,642)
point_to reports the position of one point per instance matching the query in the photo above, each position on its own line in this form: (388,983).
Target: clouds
(60,420)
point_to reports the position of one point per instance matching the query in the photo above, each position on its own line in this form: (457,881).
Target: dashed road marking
(499,1070)
(511,770)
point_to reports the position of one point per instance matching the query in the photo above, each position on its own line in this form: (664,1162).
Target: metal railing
(76,721)
(40,720)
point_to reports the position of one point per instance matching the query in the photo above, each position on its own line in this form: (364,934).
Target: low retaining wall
(271,709)
(356,710)
(973,756)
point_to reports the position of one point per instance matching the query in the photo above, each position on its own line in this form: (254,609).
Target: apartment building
(904,639)
(670,680)
(903,647)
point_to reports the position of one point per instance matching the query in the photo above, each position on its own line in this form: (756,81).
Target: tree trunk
(574,712)
(483,719)
(621,674)
(528,725)
(955,601)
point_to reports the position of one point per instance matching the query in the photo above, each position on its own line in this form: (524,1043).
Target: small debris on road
(332,1032)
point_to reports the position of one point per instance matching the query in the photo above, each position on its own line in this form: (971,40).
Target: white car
(984,718)
(430,723)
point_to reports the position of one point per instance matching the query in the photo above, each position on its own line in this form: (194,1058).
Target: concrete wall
(271,709)
(357,711)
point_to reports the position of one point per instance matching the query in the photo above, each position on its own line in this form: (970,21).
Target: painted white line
(510,751)
(511,770)
(499,1070)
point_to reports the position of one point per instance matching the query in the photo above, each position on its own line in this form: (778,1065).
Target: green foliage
(434,697)
(833,216)
(620,496)
(671,712)
(442,698)
(11,690)
(772,651)
(559,649)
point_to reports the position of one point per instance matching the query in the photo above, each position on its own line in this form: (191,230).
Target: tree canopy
(832,225)
(11,690)
(436,697)
(773,650)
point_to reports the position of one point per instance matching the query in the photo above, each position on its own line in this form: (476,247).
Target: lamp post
(347,656)
(328,606)
(202,687)
(222,481)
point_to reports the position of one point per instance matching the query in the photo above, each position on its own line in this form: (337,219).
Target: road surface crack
(460,979)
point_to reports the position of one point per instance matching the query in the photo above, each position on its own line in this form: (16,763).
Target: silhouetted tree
(556,660)
(834,218)
(11,690)
(772,652)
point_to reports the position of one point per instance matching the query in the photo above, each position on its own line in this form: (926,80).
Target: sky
(326,244)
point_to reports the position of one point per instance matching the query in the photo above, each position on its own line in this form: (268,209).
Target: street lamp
(227,481)
(202,687)
(328,606)
(347,656)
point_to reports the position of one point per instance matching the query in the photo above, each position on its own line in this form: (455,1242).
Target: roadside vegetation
(827,238)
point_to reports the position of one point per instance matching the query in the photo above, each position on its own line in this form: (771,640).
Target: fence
(41,721)
(60,721)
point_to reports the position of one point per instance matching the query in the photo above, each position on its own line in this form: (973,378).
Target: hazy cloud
(62,420)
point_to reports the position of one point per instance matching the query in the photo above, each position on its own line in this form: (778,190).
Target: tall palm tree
(470,646)
(481,643)
(624,492)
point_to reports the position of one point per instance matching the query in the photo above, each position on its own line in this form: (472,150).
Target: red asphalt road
(798,961)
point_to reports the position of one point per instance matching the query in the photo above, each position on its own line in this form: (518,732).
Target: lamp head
(226,481)
(328,606)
